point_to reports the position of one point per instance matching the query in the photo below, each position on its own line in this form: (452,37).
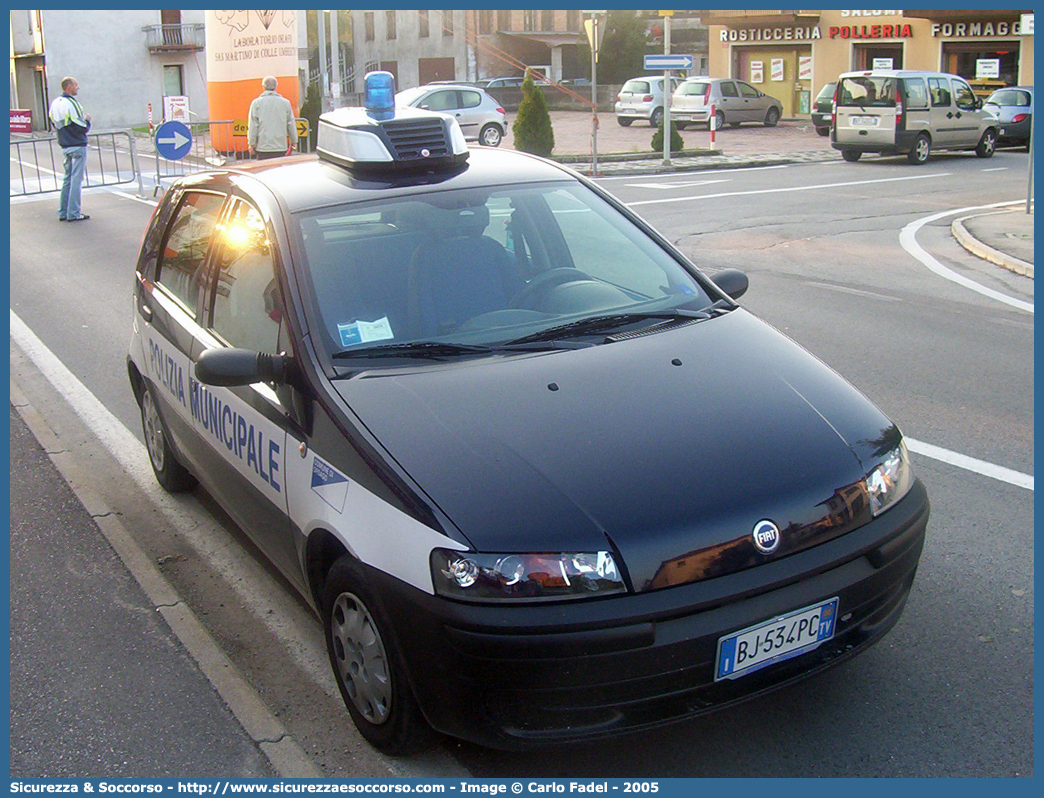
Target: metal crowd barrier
(214,143)
(38,165)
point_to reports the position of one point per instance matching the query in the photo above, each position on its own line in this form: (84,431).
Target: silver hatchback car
(734,102)
(481,118)
(642,98)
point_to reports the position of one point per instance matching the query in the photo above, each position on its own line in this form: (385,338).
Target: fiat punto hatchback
(541,478)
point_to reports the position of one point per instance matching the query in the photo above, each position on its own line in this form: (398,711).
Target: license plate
(864,121)
(681,117)
(629,110)
(773,641)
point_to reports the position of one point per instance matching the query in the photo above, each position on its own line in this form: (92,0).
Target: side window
(746,90)
(728,89)
(247,306)
(916,93)
(188,239)
(964,97)
(470,99)
(939,89)
(441,101)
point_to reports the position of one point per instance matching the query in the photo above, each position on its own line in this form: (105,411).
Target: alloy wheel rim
(362,662)
(153,431)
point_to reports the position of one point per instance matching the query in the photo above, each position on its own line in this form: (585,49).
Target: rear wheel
(623,121)
(921,150)
(490,135)
(987,144)
(772,117)
(719,120)
(851,155)
(367,664)
(823,131)
(657,117)
(171,475)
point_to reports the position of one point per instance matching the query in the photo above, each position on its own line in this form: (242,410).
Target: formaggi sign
(961,29)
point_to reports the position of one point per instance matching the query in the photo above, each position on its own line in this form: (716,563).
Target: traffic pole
(712,124)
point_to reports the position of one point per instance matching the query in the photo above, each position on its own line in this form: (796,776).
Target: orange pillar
(242,48)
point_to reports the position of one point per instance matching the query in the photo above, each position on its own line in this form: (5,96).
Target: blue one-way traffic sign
(668,62)
(173,140)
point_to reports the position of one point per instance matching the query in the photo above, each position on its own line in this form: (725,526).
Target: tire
(368,665)
(172,476)
(922,148)
(719,117)
(734,124)
(657,117)
(851,155)
(823,131)
(491,135)
(772,117)
(623,121)
(987,144)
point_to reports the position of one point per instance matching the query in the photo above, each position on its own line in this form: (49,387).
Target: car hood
(669,447)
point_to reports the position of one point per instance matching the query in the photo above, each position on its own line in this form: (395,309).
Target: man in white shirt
(71,124)
(271,131)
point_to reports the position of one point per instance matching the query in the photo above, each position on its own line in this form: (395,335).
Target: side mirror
(228,367)
(732,281)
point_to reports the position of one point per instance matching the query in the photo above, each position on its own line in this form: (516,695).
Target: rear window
(1009,97)
(693,89)
(827,92)
(867,91)
(636,86)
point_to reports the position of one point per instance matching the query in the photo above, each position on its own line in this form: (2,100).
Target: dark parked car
(823,109)
(540,477)
(1013,108)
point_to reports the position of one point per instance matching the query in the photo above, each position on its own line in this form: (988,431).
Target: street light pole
(666,89)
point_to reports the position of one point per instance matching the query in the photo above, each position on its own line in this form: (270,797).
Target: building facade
(791,54)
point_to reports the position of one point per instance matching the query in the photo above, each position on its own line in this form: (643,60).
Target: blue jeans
(75,165)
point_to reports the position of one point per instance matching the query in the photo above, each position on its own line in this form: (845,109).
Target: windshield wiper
(609,320)
(434,349)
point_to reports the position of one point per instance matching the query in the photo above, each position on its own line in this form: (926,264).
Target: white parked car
(642,98)
(481,118)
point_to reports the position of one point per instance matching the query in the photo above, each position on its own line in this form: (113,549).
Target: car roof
(306,182)
(449,85)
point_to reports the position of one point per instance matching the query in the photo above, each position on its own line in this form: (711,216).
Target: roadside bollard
(712,124)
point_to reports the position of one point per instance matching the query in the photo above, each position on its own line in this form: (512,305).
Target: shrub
(677,145)
(532,127)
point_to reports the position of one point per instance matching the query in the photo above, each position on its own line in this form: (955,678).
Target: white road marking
(1016,478)
(908,241)
(686,184)
(995,169)
(119,193)
(725,171)
(857,291)
(788,189)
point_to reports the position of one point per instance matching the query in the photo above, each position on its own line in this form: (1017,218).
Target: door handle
(146,312)
(949,114)
(958,114)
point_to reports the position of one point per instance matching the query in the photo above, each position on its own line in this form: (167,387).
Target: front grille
(407,138)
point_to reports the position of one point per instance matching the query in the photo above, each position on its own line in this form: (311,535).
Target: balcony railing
(162,38)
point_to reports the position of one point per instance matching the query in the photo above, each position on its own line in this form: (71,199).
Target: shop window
(422,24)
(389,22)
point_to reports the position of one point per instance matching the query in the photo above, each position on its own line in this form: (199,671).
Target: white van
(895,112)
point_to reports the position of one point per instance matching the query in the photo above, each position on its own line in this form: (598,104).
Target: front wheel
(772,117)
(623,121)
(987,145)
(921,150)
(657,117)
(367,664)
(171,475)
(491,135)
(851,155)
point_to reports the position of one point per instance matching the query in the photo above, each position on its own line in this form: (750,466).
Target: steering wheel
(533,292)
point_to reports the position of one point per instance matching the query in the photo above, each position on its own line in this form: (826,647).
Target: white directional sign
(173,140)
(668,62)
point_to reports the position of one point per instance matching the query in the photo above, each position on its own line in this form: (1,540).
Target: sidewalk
(1003,237)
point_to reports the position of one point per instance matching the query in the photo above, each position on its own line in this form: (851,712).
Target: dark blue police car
(541,478)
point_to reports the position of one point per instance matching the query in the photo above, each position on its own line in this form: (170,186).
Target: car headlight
(534,577)
(891,480)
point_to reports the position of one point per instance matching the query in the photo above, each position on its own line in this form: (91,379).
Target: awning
(547,38)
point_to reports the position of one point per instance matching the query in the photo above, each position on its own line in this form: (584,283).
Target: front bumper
(523,676)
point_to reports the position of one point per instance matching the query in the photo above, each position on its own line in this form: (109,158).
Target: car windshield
(408,96)
(867,91)
(465,270)
(1014,97)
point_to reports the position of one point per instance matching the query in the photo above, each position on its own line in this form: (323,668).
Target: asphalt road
(821,244)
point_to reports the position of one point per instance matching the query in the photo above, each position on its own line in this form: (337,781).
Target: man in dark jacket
(72,125)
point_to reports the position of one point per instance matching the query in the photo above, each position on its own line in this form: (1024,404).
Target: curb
(986,252)
(287,758)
